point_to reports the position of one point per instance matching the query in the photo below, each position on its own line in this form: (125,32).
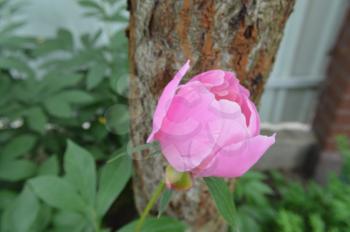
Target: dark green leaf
(62,42)
(119,39)
(95,76)
(36,119)
(164,201)
(6,198)
(80,171)
(58,106)
(43,219)
(5,223)
(247,223)
(317,223)
(67,219)
(118,119)
(15,170)
(57,81)
(113,179)
(57,192)
(288,221)
(66,39)
(18,146)
(75,96)
(24,211)
(13,41)
(16,64)
(49,167)
(223,199)
(162,224)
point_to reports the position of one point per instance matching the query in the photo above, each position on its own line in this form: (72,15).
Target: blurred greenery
(64,142)
(272,202)
(54,90)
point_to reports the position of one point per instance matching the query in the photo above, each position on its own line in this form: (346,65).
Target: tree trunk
(237,35)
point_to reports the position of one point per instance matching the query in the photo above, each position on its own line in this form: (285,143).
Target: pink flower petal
(210,78)
(254,119)
(236,159)
(229,124)
(187,155)
(183,136)
(165,100)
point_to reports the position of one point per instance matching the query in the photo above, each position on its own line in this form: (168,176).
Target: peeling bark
(238,35)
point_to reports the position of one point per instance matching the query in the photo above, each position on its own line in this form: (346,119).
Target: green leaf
(58,106)
(5,223)
(223,199)
(164,201)
(98,131)
(75,96)
(16,64)
(259,187)
(18,146)
(5,85)
(24,211)
(95,76)
(162,224)
(122,86)
(6,198)
(49,167)
(247,223)
(252,189)
(82,227)
(288,221)
(118,119)
(113,179)
(57,192)
(120,39)
(80,171)
(317,223)
(15,170)
(36,119)
(66,39)
(13,41)
(55,81)
(62,42)
(43,219)
(67,219)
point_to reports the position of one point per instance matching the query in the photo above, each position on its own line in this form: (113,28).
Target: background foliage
(54,91)
(271,202)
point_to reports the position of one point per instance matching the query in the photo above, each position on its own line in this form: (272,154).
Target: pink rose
(209,126)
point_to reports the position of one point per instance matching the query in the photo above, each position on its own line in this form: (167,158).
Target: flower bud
(177,180)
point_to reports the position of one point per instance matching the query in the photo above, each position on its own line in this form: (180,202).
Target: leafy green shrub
(52,89)
(291,206)
(78,200)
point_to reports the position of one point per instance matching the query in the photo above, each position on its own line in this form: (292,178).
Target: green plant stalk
(155,196)
(95,222)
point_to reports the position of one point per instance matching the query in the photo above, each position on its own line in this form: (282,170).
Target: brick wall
(333,112)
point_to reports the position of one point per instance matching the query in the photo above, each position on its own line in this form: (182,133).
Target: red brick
(343,120)
(332,115)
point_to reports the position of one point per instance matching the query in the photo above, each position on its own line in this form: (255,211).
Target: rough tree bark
(238,35)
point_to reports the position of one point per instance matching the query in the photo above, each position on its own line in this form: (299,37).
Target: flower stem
(155,196)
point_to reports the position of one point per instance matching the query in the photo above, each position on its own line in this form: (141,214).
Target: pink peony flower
(208,126)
